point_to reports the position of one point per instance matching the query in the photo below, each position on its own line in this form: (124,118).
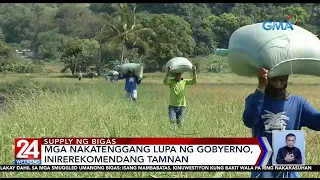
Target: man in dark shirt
(289,154)
(131,84)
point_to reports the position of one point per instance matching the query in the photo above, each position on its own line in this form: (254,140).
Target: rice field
(98,108)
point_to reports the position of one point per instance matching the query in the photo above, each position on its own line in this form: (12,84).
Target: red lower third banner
(142,151)
(173,168)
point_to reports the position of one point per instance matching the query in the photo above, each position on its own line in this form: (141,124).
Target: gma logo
(269,25)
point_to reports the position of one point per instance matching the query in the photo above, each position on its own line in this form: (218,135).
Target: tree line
(105,35)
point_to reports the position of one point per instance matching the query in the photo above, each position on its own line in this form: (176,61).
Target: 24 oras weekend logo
(27,151)
(274,25)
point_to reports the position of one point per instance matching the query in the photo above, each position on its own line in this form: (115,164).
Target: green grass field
(99,108)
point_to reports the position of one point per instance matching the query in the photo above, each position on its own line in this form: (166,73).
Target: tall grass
(98,108)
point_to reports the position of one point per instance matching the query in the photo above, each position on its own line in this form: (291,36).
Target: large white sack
(283,52)
(179,65)
(138,69)
(112,73)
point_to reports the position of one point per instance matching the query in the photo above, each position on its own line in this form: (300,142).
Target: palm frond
(136,26)
(132,38)
(116,7)
(115,14)
(136,40)
(115,42)
(144,31)
(122,27)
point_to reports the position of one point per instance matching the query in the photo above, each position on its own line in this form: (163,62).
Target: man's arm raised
(166,79)
(194,77)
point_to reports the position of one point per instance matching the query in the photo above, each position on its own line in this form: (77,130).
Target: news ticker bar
(77,168)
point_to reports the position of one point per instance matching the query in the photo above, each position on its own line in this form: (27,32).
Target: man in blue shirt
(131,84)
(271,108)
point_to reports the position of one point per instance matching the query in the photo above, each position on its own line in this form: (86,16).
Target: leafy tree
(302,14)
(5,49)
(248,10)
(122,29)
(224,25)
(49,45)
(193,13)
(77,21)
(80,54)
(204,37)
(110,56)
(101,8)
(45,15)
(159,8)
(271,12)
(17,22)
(315,15)
(25,44)
(220,8)
(303,17)
(173,37)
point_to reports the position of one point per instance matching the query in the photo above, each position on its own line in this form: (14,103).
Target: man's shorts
(132,94)
(176,113)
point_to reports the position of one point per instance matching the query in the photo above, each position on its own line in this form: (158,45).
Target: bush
(20,66)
